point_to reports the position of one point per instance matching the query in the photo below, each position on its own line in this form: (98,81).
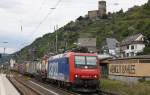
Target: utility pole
(4,50)
(66,40)
(4,46)
(55,29)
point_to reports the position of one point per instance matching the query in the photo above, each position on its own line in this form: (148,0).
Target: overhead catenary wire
(20,21)
(47,15)
(42,4)
(41,22)
(40,8)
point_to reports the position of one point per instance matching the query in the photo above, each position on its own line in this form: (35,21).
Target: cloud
(124,4)
(8,4)
(7,50)
(29,13)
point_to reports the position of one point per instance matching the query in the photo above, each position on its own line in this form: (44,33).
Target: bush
(142,79)
(146,50)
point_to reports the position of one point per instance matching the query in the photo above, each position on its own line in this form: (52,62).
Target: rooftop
(111,43)
(135,57)
(130,39)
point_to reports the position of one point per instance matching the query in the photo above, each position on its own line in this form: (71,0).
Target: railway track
(27,86)
(107,93)
(73,93)
(22,88)
(30,86)
(47,85)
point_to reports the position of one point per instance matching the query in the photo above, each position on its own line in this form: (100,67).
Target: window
(132,53)
(127,54)
(132,47)
(127,47)
(91,60)
(81,61)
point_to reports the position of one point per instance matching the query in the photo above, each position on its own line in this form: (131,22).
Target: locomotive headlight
(76,75)
(95,76)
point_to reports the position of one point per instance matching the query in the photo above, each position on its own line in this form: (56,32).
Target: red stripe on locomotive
(85,72)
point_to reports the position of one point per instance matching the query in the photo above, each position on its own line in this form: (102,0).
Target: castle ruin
(95,14)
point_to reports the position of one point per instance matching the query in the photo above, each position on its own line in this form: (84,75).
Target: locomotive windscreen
(88,61)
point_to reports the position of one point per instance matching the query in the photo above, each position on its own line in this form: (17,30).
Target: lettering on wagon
(53,70)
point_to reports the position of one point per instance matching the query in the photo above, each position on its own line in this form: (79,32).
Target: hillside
(118,25)
(4,58)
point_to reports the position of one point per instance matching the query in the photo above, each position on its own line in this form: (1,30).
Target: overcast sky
(38,17)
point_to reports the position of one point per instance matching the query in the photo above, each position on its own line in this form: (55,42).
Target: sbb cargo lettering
(53,70)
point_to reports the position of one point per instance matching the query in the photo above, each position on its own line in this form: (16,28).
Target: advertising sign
(129,69)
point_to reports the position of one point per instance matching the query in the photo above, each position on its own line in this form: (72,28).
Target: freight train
(78,71)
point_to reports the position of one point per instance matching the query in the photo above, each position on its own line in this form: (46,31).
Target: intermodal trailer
(32,68)
(44,67)
(21,68)
(79,70)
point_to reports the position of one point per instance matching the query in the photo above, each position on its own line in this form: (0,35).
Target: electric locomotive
(79,71)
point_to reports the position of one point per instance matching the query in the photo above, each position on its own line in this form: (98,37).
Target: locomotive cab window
(81,61)
(91,60)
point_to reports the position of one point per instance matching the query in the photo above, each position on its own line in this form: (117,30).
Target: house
(111,47)
(12,63)
(89,43)
(132,45)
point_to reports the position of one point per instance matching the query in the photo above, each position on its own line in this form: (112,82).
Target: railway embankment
(123,88)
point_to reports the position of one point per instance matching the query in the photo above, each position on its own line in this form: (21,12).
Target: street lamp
(4,46)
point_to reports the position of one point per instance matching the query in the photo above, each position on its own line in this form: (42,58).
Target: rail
(107,93)
(47,86)
(23,88)
(37,87)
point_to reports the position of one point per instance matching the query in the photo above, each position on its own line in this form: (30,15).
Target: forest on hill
(117,25)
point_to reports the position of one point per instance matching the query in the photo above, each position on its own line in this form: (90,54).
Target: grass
(123,88)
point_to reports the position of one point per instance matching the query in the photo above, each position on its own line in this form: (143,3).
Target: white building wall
(137,48)
(140,47)
(111,51)
(12,62)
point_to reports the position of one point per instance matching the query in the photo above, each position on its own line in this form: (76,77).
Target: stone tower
(101,8)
